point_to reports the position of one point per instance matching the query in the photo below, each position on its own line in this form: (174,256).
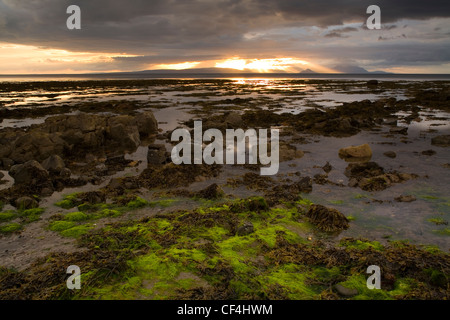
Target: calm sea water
(170,75)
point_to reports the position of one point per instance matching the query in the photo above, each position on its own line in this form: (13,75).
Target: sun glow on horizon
(261,65)
(176,66)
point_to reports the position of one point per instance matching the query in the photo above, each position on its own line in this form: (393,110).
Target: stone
(213,191)
(24,203)
(46,192)
(7,163)
(390,121)
(245,229)
(30,173)
(54,164)
(327,167)
(390,154)
(372,82)
(147,124)
(406,198)
(361,152)
(36,145)
(123,133)
(344,291)
(441,141)
(428,153)
(156,154)
(399,130)
(327,219)
(65,173)
(234,120)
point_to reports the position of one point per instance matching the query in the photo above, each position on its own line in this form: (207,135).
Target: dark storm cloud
(172,31)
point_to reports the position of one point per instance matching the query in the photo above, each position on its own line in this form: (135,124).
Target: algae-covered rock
(213,191)
(362,152)
(327,219)
(441,141)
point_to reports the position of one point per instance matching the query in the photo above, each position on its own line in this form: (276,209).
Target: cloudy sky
(264,35)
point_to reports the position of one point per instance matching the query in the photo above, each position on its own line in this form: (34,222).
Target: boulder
(147,124)
(54,164)
(7,163)
(360,152)
(344,291)
(36,145)
(441,141)
(123,133)
(30,173)
(156,154)
(234,120)
(24,203)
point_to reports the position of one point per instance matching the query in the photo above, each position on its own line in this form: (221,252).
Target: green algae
(361,244)
(76,216)
(10,228)
(68,202)
(137,203)
(197,254)
(7,216)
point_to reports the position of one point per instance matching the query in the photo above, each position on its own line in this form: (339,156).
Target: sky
(248,35)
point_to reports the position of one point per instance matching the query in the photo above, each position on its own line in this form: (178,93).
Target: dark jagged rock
(327,219)
(211,192)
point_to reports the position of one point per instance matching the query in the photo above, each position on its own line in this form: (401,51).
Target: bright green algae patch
(203,254)
(14,221)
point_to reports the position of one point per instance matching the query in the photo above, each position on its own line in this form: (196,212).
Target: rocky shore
(92,184)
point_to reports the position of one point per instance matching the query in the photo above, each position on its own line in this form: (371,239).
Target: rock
(65,173)
(327,167)
(147,124)
(399,130)
(53,164)
(303,185)
(7,163)
(360,152)
(288,152)
(46,192)
(156,154)
(372,82)
(211,192)
(390,121)
(344,291)
(123,133)
(327,219)
(390,154)
(234,120)
(24,203)
(36,145)
(441,141)
(30,173)
(403,198)
(429,152)
(2,175)
(246,229)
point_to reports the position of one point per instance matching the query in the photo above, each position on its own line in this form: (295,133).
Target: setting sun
(261,65)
